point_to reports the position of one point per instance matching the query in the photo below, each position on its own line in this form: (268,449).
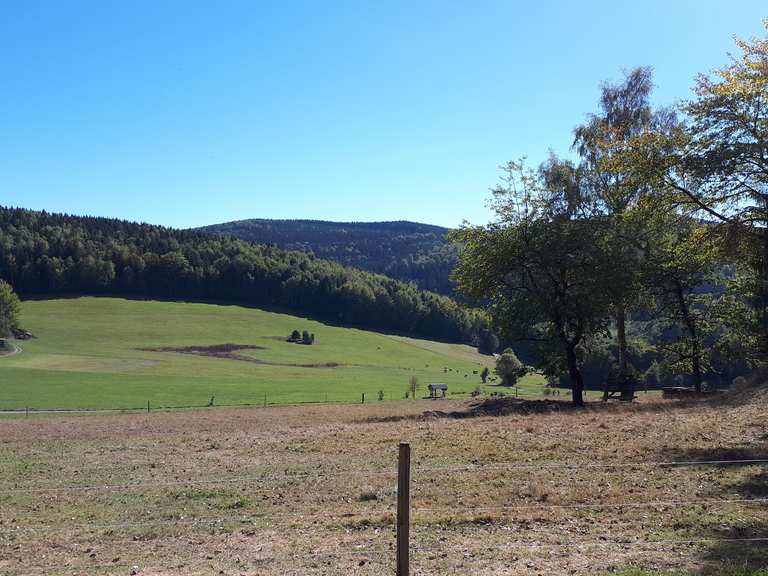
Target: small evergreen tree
(484,374)
(295,336)
(305,338)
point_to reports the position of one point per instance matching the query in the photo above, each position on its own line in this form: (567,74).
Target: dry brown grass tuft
(311,490)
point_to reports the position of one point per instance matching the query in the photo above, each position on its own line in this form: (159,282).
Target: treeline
(646,260)
(48,254)
(407,251)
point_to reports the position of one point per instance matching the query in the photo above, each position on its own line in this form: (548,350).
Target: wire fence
(274,401)
(419,472)
(377,553)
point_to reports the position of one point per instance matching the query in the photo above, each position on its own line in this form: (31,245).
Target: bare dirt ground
(515,488)
(230,351)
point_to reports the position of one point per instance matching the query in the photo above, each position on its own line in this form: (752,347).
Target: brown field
(311,490)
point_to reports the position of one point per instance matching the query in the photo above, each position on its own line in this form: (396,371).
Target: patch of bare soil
(230,352)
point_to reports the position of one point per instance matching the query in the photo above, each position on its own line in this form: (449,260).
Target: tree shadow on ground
(511,406)
(738,538)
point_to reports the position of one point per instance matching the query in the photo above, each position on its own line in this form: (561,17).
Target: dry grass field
(311,490)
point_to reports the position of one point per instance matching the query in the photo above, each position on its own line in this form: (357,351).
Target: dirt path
(16,350)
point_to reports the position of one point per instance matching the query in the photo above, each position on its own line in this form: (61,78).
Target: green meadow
(92,353)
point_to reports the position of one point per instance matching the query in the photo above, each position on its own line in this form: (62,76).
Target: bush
(509,367)
(9,309)
(476,392)
(484,374)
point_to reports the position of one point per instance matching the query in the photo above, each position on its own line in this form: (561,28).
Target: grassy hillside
(95,352)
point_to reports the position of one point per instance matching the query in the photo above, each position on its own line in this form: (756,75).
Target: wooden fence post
(403,508)
(147,406)
(265,399)
(363,400)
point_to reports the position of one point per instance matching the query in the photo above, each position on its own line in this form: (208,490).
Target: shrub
(9,309)
(295,336)
(476,392)
(509,367)
(484,374)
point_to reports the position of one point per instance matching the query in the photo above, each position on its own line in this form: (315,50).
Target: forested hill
(408,251)
(47,254)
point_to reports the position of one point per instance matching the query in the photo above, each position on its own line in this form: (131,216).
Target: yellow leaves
(746,77)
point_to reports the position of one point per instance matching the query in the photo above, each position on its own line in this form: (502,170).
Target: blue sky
(187,113)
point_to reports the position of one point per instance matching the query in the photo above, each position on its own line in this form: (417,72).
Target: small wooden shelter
(433,389)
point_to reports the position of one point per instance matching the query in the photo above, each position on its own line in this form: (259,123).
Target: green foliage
(620,244)
(509,368)
(406,251)
(541,264)
(9,309)
(716,168)
(484,374)
(50,254)
(487,342)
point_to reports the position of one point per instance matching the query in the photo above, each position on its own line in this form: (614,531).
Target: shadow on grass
(738,543)
(511,406)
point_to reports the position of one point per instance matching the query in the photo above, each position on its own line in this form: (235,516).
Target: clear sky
(187,113)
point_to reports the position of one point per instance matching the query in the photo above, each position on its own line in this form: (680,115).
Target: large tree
(624,113)
(681,264)
(716,165)
(539,264)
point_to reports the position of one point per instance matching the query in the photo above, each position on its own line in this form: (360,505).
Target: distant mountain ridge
(403,250)
(56,254)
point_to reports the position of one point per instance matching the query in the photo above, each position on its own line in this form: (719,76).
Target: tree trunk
(625,383)
(577,382)
(763,287)
(693,335)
